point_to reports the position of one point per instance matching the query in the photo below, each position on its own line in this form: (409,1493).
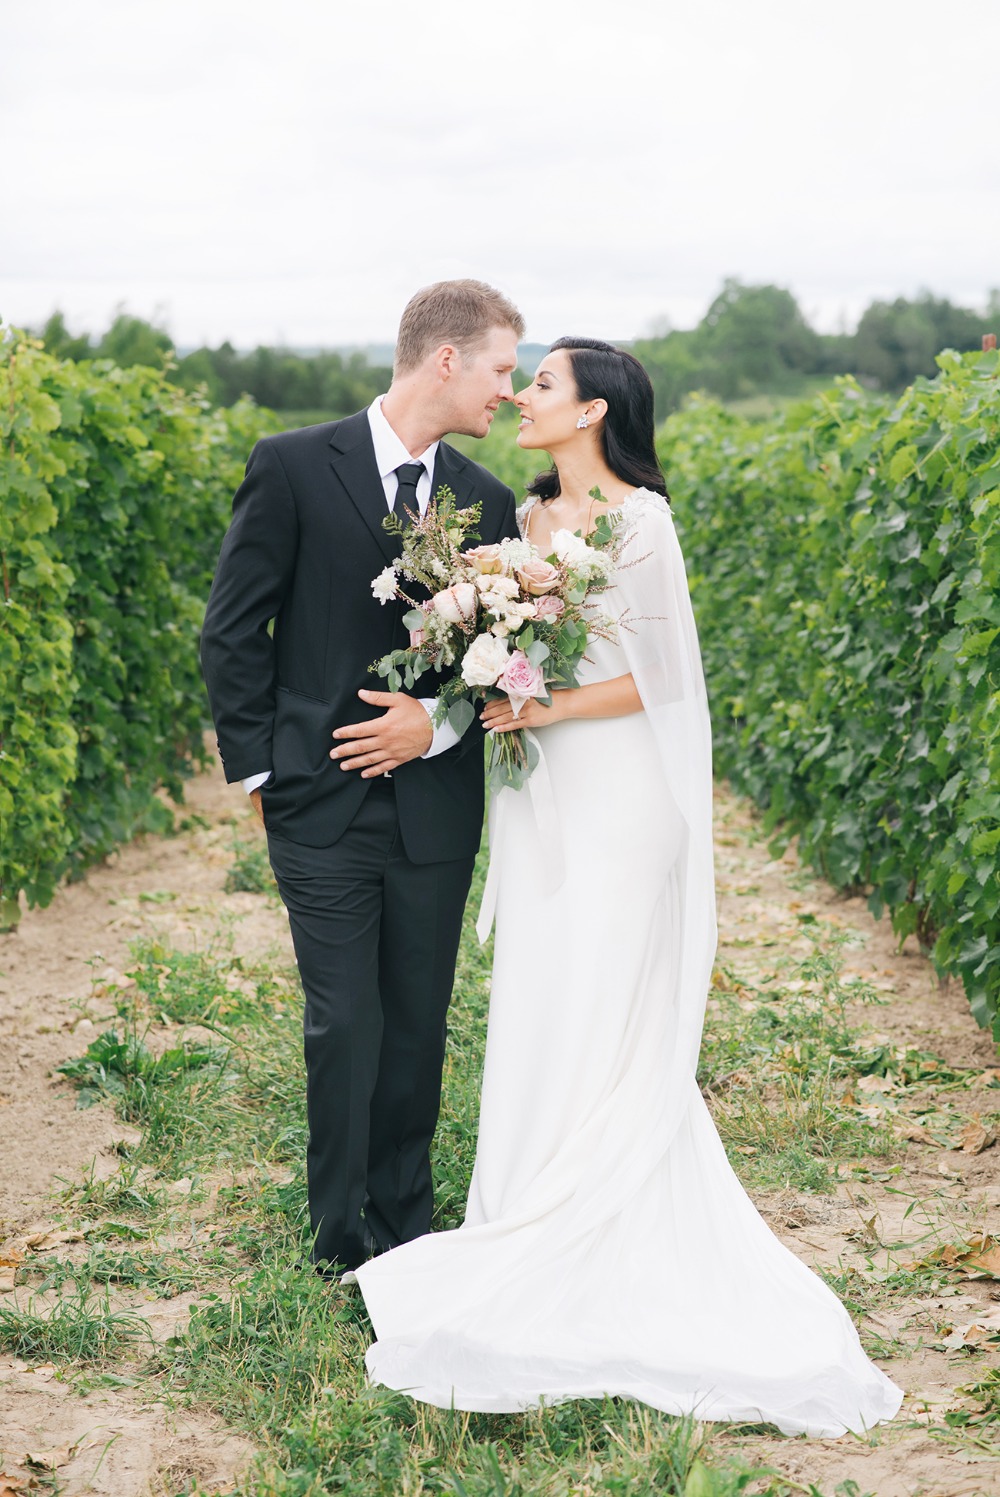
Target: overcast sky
(292,171)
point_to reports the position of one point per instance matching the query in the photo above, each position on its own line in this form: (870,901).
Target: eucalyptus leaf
(461,714)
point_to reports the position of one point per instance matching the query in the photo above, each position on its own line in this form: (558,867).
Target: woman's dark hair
(603,372)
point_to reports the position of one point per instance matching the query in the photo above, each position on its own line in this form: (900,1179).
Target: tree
(58,340)
(897,341)
(130,340)
(755,338)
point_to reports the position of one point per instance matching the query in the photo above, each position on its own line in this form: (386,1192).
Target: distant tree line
(755,339)
(323,385)
(752,340)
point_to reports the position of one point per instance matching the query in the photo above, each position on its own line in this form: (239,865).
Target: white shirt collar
(389,450)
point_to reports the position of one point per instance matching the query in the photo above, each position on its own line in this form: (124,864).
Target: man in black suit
(373,817)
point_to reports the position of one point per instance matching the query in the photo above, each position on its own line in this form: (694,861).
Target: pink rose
(521,680)
(549,607)
(485,559)
(537,577)
(456,605)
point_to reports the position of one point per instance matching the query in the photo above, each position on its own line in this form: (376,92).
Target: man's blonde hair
(461,313)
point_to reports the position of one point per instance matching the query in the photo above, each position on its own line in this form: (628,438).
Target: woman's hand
(498,716)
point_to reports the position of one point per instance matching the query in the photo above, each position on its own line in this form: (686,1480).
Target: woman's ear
(596,411)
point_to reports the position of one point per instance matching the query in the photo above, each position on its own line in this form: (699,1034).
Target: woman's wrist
(562,705)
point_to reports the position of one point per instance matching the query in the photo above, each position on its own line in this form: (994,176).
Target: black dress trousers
(376,939)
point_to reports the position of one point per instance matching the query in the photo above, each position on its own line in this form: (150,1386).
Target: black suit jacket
(305,541)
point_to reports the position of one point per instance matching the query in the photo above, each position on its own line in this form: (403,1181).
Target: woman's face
(550,406)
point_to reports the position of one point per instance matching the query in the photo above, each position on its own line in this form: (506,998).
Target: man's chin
(480,428)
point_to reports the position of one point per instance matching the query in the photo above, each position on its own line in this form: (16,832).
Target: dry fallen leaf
(41,1242)
(182,1187)
(979,1257)
(913,1133)
(968,1335)
(974,1138)
(13,1486)
(51,1460)
(875,1084)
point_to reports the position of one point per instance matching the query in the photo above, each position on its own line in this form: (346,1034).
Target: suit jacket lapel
(353,462)
(352,457)
(452,470)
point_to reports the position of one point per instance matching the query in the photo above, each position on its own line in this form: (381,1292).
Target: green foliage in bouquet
(845,570)
(114,497)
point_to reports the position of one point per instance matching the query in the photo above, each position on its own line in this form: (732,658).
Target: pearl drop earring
(583,423)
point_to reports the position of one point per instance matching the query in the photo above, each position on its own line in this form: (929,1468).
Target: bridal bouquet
(503,619)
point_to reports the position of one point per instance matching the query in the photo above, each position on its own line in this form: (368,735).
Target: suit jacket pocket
(301,746)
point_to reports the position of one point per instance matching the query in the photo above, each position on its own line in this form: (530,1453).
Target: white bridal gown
(608,1247)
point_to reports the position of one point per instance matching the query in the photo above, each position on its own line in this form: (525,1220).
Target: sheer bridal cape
(608,1247)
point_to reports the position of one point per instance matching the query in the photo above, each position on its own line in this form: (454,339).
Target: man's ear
(446,361)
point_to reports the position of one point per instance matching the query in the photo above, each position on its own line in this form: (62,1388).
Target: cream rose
(537,577)
(484,660)
(456,605)
(486,559)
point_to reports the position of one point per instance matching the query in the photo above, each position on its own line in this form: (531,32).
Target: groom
(373,817)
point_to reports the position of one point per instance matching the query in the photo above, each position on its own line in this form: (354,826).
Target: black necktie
(406,495)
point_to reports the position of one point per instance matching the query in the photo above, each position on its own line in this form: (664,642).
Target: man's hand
(256,802)
(403,733)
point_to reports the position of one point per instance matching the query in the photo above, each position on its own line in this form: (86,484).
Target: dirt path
(51,973)
(126,1443)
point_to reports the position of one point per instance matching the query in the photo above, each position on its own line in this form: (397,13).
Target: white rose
(572,549)
(456,604)
(485,660)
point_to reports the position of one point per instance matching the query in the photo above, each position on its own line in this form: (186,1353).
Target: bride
(608,1247)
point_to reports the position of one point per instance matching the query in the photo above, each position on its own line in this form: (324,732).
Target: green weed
(124,1069)
(251,870)
(77,1329)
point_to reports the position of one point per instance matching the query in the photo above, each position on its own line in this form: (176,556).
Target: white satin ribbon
(550,851)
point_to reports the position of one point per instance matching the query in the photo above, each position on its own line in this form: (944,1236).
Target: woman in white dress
(608,1247)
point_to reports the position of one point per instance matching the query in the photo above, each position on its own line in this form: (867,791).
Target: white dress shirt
(390,454)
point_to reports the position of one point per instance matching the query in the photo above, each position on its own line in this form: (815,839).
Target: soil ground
(116,1441)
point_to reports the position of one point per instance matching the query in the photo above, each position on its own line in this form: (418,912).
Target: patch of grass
(195,987)
(77,1329)
(251,871)
(775,1062)
(168,1274)
(123,1068)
